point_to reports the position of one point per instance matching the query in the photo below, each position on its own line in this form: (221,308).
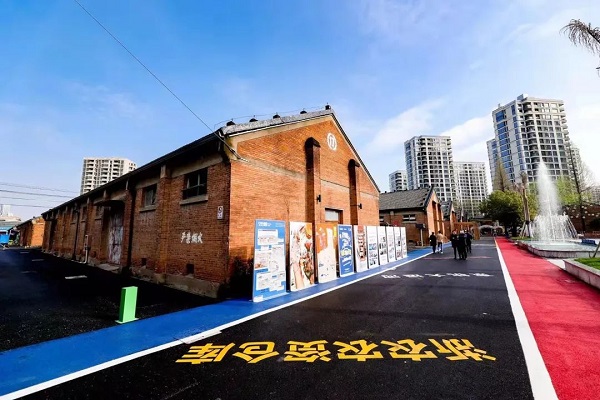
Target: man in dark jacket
(462,245)
(433,241)
(454,241)
(469,237)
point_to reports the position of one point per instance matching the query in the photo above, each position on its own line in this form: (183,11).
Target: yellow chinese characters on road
(357,350)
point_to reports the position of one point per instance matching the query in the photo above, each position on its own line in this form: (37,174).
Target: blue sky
(390,69)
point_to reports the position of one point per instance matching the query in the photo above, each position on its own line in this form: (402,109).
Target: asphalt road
(39,304)
(367,339)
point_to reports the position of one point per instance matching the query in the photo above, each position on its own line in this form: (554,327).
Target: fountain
(553,233)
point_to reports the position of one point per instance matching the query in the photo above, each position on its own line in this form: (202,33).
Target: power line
(20,198)
(35,194)
(158,80)
(37,187)
(28,205)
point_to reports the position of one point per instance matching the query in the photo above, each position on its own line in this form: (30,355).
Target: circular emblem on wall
(331,141)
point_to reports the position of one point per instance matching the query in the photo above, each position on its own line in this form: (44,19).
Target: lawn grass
(590,262)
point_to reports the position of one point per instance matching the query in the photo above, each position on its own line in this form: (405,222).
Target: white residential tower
(98,171)
(471,186)
(429,163)
(398,181)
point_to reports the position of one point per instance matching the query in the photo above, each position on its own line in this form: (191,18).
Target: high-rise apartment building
(429,163)
(398,181)
(98,171)
(528,130)
(471,186)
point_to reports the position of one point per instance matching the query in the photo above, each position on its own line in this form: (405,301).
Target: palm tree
(581,34)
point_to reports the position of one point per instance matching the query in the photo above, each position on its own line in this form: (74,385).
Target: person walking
(433,242)
(462,245)
(454,241)
(440,241)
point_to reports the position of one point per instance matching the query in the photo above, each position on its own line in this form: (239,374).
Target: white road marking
(38,259)
(78,374)
(76,277)
(541,384)
(24,252)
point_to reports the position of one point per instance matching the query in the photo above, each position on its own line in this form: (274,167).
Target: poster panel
(389,232)
(326,247)
(372,246)
(302,265)
(404,245)
(383,247)
(269,277)
(345,250)
(398,241)
(360,248)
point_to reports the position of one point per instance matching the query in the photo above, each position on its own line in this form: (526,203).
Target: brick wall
(288,167)
(278,184)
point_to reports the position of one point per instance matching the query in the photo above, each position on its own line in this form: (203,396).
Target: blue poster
(270,275)
(345,248)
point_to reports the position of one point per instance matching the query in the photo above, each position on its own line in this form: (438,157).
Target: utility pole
(577,187)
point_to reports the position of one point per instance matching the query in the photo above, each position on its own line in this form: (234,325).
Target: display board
(404,245)
(360,248)
(345,250)
(302,258)
(389,233)
(326,248)
(398,241)
(383,247)
(269,277)
(372,246)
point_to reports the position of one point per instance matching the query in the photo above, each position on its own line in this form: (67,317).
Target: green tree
(505,206)
(582,34)
(501,180)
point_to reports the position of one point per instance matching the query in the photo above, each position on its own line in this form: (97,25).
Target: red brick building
(418,210)
(187,218)
(31,232)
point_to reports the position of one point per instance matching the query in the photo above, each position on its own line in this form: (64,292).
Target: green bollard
(128,302)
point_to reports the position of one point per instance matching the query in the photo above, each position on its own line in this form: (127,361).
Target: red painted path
(564,316)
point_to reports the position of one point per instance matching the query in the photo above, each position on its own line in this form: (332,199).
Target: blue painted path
(31,365)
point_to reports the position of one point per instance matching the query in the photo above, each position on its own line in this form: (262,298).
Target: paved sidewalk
(564,315)
(82,354)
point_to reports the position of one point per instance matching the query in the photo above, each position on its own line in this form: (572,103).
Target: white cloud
(395,131)
(106,103)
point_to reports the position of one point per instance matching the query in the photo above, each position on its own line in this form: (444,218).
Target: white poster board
(372,246)
(383,247)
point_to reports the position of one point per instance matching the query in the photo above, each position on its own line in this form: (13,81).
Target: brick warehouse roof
(219,134)
(405,199)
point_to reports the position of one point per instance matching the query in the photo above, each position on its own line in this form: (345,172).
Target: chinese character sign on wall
(302,267)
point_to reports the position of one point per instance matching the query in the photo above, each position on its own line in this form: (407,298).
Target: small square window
(195,184)
(149,195)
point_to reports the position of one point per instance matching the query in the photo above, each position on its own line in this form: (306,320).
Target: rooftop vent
(253,119)
(276,116)
(328,107)
(229,123)
(303,112)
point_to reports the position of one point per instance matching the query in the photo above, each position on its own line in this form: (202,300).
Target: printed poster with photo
(360,248)
(404,245)
(345,250)
(382,249)
(398,241)
(326,248)
(389,232)
(270,276)
(372,247)
(302,259)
